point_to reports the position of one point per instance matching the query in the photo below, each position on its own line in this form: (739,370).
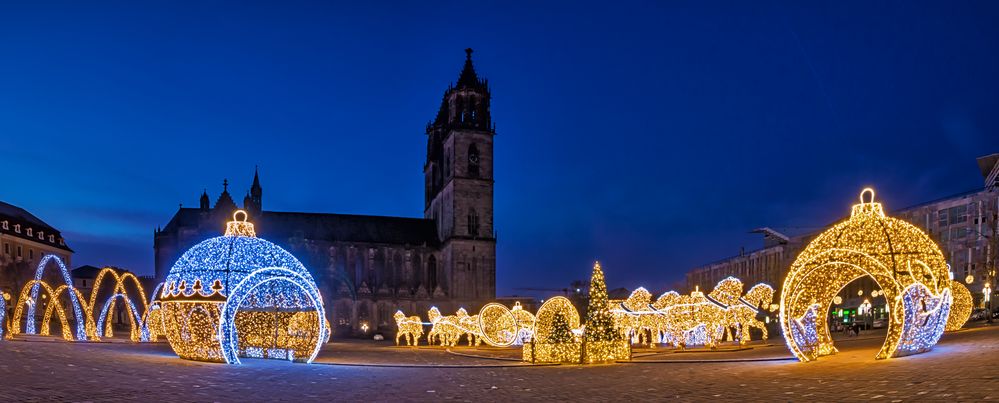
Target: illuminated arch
(902,260)
(47,317)
(228,336)
(104,325)
(138,330)
(3,315)
(550,342)
(81,331)
(33,287)
(153,316)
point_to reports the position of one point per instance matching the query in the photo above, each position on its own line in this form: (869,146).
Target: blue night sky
(649,135)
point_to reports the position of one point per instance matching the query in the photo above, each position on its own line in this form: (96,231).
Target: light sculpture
(602,339)
(498,326)
(81,332)
(239,295)
(26,300)
(554,339)
(695,319)
(408,328)
(3,314)
(138,331)
(445,330)
(525,323)
(903,261)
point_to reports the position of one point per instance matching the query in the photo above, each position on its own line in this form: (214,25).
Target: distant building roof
(15,215)
(332,227)
(87,272)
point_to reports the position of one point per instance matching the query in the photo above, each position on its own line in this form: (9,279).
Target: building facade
(25,239)
(367,267)
(963,226)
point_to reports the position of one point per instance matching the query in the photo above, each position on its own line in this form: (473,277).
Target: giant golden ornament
(960,310)
(906,264)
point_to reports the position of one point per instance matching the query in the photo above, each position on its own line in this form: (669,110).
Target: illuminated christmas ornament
(904,262)
(970,279)
(241,296)
(554,337)
(960,310)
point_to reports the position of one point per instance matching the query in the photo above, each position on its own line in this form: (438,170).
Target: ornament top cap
(868,208)
(238,227)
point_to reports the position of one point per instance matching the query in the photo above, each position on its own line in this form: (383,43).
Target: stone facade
(24,240)
(367,267)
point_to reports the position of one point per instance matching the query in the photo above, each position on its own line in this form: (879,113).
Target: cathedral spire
(468,78)
(204,202)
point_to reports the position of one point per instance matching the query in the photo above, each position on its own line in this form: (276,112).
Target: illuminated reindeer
(409,328)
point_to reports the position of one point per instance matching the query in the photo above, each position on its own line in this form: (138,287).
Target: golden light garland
(906,264)
(960,310)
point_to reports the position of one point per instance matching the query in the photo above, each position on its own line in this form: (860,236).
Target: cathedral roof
(279,226)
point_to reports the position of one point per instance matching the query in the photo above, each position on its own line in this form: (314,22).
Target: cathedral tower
(459,188)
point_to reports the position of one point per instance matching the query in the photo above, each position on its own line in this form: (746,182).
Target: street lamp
(865,309)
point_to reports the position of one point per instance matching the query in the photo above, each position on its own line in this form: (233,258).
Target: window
(18,250)
(29,232)
(31,254)
(4,223)
(473,223)
(6,248)
(942,218)
(17,228)
(52,238)
(41,235)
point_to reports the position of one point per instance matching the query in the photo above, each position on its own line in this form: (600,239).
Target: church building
(367,267)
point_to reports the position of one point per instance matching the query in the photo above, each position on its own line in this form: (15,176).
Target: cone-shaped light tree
(602,340)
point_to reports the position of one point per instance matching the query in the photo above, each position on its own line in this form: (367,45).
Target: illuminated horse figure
(445,329)
(409,328)
(469,326)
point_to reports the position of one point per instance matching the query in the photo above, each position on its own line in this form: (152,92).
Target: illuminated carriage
(239,295)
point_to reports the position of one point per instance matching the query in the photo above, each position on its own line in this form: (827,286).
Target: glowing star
(904,262)
(239,295)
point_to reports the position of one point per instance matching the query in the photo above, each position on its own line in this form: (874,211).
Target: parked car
(879,323)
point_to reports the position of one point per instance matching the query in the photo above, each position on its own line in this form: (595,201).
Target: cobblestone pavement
(960,368)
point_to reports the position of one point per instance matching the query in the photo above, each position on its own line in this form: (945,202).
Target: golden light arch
(902,260)
(138,330)
(26,299)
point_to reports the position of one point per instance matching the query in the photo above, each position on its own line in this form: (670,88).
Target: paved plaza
(960,368)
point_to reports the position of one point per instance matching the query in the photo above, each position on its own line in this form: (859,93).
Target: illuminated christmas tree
(602,341)
(599,322)
(561,331)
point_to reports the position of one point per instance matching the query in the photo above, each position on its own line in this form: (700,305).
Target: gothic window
(473,223)
(432,274)
(473,161)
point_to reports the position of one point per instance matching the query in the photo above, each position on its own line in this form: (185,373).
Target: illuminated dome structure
(905,263)
(239,295)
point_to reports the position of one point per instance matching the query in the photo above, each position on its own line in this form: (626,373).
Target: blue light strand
(81,331)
